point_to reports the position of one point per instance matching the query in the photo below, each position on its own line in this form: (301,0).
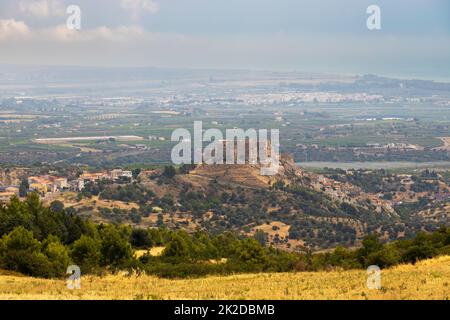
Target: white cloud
(119,34)
(135,7)
(42,8)
(134,46)
(12,28)
(21,33)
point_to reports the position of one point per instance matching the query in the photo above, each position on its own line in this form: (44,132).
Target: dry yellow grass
(425,280)
(69,198)
(155,251)
(282,229)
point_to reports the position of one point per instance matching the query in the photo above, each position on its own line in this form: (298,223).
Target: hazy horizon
(322,36)
(442,79)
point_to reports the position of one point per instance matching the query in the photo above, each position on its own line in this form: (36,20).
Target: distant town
(45,184)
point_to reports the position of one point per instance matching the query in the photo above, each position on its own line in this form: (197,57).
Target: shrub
(177,248)
(57,254)
(140,238)
(418,252)
(86,253)
(169,172)
(383,258)
(250,254)
(115,249)
(371,244)
(20,251)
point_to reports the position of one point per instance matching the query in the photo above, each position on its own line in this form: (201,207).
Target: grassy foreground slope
(428,279)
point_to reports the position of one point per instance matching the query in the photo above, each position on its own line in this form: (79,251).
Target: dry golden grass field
(428,279)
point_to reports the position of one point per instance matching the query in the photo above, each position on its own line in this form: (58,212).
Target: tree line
(41,241)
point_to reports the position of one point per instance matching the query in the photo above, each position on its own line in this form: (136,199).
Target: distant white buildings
(49,184)
(46,183)
(7,192)
(114,174)
(118,173)
(307,97)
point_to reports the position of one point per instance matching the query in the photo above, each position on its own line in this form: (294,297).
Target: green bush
(140,238)
(86,253)
(57,254)
(177,248)
(250,255)
(40,241)
(115,248)
(20,251)
(383,258)
(418,252)
(371,244)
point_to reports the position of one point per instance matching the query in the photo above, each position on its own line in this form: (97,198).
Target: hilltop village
(48,184)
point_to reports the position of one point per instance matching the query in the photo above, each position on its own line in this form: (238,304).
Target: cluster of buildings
(395,145)
(307,97)
(45,184)
(7,192)
(156,138)
(351,193)
(86,177)
(386,119)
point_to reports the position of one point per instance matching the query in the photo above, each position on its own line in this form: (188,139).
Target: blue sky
(320,35)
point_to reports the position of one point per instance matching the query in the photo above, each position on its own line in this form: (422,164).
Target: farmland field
(428,279)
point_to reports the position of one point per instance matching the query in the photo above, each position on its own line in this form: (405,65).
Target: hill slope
(294,208)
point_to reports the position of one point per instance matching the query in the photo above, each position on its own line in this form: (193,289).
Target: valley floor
(428,279)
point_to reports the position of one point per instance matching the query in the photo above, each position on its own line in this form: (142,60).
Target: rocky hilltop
(292,209)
